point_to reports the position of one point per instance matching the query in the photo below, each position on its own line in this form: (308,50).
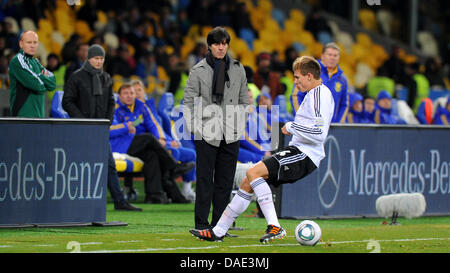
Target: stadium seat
(28,24)
(279,16)
(324,37)
(56,110)
(368,19)
(248,36)
(165,106)
(385,19)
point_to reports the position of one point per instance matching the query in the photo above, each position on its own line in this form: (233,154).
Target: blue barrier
(365,162)
(53,171)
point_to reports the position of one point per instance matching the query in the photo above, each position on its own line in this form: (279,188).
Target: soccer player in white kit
(309,131)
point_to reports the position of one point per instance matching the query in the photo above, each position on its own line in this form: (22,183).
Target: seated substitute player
(302,156)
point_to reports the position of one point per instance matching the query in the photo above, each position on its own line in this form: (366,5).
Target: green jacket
(28,85)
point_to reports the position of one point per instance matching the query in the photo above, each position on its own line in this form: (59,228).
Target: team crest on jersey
(338,87)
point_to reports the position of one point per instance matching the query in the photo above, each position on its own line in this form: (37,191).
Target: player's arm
(47,77)
(315,129)
(31,80)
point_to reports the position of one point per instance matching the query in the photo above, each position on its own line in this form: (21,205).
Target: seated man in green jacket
(29,80)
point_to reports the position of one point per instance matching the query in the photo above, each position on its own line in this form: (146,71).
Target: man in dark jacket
(88,94)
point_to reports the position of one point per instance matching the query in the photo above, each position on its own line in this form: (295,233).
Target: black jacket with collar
(79,101)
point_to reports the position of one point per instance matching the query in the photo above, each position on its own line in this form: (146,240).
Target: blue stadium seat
(279,16)
(248,36)
(56,110)
(165,106)
(324,37)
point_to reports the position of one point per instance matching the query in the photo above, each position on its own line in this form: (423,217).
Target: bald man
(29,80)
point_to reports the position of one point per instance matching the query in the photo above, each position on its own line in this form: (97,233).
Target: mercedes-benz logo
(329,175)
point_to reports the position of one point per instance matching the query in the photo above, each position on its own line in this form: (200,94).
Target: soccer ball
(308,233)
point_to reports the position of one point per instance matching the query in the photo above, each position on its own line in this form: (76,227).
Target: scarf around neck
(95,74)
(220,76)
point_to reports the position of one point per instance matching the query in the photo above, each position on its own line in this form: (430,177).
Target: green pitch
(165,229)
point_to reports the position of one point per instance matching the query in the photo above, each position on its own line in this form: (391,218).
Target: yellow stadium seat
(102,17)
(265,6)
(363,39)
(151,84)
(359,51)
(45,26)
(162,75)
(368,19)
(82,28)
(298,16)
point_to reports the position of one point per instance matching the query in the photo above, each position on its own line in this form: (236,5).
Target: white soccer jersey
(311,124)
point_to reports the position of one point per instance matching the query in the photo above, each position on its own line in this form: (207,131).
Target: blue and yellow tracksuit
(337,83)
(120,139)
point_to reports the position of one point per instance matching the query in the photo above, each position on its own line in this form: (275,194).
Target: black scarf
(220,76)
(95,74)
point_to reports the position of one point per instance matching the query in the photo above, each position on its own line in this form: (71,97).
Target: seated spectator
(256,142)
(132,132)
(369,110)
(442,115)
(356,113)
(383,113)
(179,152)
(264,109)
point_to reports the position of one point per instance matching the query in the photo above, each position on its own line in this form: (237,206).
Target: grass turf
(165,229)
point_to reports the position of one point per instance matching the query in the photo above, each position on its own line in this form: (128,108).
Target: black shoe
(126,206)
(273,232)
(206,234)
(181,169)
(156,199)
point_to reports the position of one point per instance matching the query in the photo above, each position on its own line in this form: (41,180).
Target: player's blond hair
(307,64)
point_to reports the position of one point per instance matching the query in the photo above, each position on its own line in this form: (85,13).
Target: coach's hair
(307,64)
(124,86)
(218,35)
(331,45)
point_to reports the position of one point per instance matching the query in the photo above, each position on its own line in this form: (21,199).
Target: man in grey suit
(215,108)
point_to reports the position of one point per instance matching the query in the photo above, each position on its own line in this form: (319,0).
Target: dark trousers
(216,167)
(113,180)
(157,161)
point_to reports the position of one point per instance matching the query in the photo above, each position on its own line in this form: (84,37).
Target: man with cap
(88,94)
(29,80)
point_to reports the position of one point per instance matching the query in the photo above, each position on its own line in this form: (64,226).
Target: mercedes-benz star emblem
(330,173)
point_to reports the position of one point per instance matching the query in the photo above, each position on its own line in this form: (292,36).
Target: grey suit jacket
(211,121)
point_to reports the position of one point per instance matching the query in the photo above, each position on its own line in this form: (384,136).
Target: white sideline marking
(131,241)
(256,245)
(4,246)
